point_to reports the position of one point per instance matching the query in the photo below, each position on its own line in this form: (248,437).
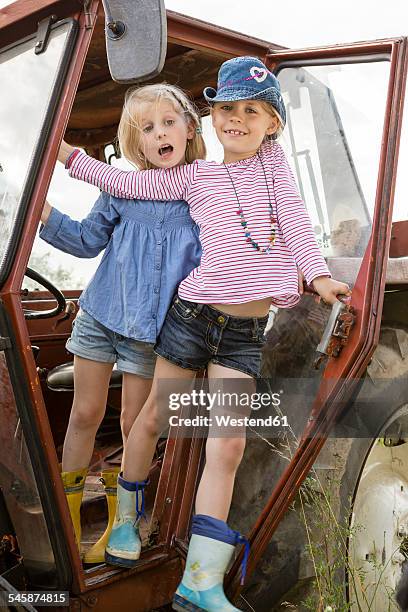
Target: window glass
(27,81)
(74,198)
(400,211)
(333,139)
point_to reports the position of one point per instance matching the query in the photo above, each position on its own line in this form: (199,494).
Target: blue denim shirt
(149,247)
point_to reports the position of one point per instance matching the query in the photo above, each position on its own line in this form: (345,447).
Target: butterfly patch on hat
(259,74)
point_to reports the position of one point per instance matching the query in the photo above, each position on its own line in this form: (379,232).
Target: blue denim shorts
(194,335)
(92,340)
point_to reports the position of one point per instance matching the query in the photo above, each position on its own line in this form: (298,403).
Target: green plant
(328,547)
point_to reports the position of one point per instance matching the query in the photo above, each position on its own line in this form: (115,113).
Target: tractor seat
(61,378)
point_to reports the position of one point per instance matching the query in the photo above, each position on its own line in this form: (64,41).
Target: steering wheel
(56,293)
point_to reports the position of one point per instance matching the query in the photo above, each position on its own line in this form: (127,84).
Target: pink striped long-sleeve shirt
(231,270)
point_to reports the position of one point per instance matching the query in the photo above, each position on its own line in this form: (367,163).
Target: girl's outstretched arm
(162,184)
(86,238)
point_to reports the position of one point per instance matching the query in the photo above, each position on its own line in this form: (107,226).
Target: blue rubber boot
(211,548)
(124,543)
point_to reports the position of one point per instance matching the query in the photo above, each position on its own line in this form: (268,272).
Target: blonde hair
(274,113)
(129,132)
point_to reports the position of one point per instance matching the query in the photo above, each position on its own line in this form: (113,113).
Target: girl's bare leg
(91,383)
(150,423)
(223,454)
(135,391)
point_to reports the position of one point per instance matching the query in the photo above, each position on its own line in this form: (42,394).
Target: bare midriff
(257,308)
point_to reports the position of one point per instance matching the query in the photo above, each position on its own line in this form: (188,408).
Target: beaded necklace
(244,222)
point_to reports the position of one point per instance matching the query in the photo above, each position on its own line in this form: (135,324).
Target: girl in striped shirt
(254,232)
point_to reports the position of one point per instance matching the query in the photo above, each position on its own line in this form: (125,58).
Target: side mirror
(136,39)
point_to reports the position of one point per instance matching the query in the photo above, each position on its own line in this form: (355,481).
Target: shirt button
(157,266)
(156,290)
(159,243)
(153,316)
(221,320)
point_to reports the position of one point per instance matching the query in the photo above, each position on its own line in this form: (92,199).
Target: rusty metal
(341,375)
(192,480)
(341,332)
(399,239)
(90,17)
(172,485)
(181,546)
(385,46)
(152,588)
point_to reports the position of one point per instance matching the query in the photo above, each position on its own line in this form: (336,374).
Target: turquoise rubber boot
(211,547)
(124,543)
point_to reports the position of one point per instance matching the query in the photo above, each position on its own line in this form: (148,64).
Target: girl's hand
(329,289)
(64,152)
(46,211)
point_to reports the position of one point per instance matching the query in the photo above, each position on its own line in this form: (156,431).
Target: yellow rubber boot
(74,489)
(109,479)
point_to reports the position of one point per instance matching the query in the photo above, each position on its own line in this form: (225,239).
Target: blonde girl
(149,248)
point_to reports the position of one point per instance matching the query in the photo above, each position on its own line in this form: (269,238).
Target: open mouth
(235,132)
(165,149)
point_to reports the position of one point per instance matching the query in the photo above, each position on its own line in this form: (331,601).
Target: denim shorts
(92,340)
(194,335)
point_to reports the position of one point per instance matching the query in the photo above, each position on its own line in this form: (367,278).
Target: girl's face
(241,127)
(164,134)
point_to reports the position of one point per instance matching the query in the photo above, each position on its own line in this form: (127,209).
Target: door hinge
(336,333)
(43,34)
(5,343)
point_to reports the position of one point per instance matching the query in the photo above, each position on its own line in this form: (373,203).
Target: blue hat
(246,78)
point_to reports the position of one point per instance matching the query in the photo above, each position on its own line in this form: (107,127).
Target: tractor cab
(65,68)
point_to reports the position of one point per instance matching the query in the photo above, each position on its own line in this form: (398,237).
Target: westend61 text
(228,421)
(223,399)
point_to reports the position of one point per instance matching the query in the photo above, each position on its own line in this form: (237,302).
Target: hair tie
(199,130)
